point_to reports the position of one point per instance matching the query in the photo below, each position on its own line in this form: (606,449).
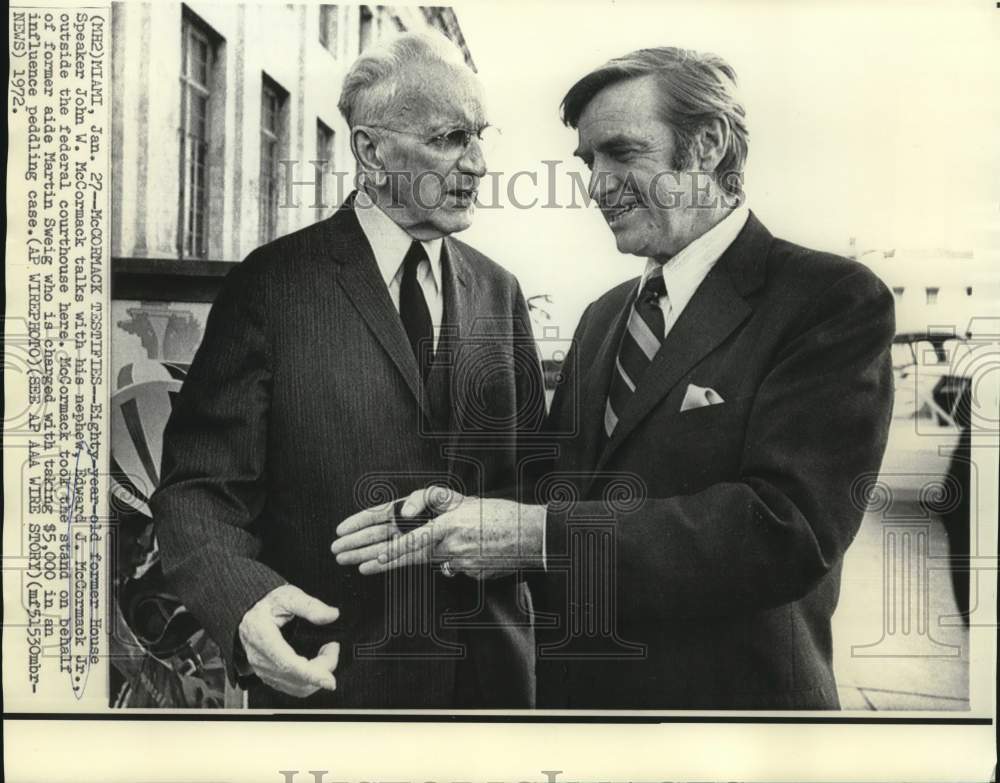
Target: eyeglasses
(453,143)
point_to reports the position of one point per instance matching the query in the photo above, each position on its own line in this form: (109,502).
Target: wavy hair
(372,83)
(695,88)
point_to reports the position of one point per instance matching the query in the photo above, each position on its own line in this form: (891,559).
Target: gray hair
(695,88)
(373,81)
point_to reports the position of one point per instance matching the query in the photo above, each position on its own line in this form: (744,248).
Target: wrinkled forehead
(435,97)
(631,108)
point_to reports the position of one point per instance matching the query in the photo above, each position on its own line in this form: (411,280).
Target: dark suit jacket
(304,405)
(713,538)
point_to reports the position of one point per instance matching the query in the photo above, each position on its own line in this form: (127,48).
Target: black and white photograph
(570,362)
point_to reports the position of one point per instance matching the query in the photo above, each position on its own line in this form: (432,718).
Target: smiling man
(717,424)
(358,359)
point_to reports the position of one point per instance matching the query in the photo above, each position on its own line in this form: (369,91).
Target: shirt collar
(390,242)
(683,273)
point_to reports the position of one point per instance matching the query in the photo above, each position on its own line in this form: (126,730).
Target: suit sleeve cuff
(554,535)
(220,603)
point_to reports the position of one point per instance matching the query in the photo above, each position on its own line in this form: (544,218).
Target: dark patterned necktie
(413,309)
(641,341)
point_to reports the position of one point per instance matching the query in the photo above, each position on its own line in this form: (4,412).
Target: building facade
(937,290)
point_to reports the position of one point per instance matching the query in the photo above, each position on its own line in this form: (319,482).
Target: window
(897,291)
(968,290)
(932,295)
(198,57)
(272,144)
(366,28)
(328,27)
(325,140)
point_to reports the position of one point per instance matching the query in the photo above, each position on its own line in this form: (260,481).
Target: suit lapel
(460,292)
(359,277)
(460,308)
(717,308)
(596,380)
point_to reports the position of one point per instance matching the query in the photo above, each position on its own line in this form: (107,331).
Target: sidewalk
(913,658)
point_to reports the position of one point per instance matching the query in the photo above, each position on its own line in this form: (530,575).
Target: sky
(875,121)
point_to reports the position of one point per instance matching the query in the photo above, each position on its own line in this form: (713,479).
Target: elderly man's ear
(711,143)
(365,148)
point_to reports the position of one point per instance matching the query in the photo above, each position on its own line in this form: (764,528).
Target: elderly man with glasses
(350,362)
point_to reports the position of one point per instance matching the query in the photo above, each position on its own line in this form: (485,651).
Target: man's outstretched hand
(272,658)
(365,535)
(483,538)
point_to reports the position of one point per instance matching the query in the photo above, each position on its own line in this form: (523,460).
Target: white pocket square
(699,397)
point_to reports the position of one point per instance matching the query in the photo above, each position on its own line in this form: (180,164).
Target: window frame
(366,27)
(326,152)
(194,212)
(273,142)
(329,12)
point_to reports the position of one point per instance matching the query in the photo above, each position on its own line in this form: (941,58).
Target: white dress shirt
(683,273)
(390,244)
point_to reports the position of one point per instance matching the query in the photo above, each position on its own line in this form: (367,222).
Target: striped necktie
(413,311)
(641,341)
